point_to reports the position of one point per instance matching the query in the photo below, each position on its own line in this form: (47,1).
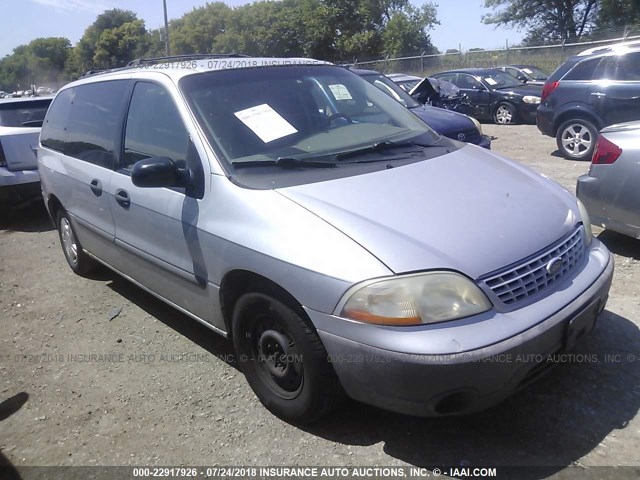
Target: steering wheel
(331,118)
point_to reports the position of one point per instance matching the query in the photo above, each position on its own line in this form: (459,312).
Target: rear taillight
(3,159)
(547,89)
(606,152)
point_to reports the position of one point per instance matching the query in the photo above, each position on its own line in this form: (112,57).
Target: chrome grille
(517,283)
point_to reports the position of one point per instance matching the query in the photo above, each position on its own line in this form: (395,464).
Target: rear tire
(80,262)
(576,139)
(283,359)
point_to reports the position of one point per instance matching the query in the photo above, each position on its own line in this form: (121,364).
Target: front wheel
(505,114)
(576,139)
(283,359)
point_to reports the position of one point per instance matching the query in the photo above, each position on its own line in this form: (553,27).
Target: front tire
(80,262)
(283,359)
(576,139)
(505,114)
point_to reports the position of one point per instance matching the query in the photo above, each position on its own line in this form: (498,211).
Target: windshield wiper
(285,162)
(378,147)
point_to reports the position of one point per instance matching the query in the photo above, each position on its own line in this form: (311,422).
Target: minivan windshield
(302,112)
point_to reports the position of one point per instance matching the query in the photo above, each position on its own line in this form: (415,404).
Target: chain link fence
(546,57)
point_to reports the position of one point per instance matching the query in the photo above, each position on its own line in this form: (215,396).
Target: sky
(24,20)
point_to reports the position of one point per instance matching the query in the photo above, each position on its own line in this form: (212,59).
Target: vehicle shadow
(551,424)
(7,408)
(184,325)
(33,218)
(621,244)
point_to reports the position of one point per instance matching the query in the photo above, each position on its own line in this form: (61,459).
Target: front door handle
(598,94)
(122,197)
(96,187)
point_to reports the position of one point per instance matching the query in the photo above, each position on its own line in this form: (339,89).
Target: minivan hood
(471,210)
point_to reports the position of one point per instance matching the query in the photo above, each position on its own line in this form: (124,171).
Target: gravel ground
(169,393)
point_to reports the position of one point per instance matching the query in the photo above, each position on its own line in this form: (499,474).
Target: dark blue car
(445,122)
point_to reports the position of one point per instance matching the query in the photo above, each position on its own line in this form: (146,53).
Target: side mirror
(159,172)
(522,78)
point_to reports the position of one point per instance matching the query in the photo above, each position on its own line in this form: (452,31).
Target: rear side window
(561,70)
(154,127)
(53,134)
(583,70)
(23,114)
(95,121)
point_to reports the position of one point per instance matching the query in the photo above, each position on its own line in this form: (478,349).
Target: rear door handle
(96,187)
(122,197)
(598,94)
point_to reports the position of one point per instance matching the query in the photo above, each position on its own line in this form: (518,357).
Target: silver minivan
(344,246)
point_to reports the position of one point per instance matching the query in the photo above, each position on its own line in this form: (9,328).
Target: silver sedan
(611,189)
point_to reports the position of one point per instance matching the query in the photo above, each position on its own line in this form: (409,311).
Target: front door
(157,228)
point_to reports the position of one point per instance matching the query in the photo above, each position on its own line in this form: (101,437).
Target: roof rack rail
(90,73)
(177,58)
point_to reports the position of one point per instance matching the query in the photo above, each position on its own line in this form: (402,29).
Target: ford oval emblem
(462,137)
(554,266)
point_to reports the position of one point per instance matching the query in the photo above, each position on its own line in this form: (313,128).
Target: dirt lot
(171,395)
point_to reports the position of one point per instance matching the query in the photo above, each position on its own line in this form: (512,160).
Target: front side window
(468,82)
(95,121)
(392,89)
(23,114)
(154,127)
(306,112)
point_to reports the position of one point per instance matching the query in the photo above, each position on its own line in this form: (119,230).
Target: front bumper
(527,112)
(485,142)
(434,383)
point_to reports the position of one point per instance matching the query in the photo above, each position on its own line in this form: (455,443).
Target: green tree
(618,13)
(545,21)
(113,39)
(406,30)
(40,62)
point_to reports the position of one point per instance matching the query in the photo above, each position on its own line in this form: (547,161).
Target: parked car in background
(450,124)
(597,88)
(529,74)
(611,189)
(496,95)
(20,122)
(441,94)
(406,82)
(296,208)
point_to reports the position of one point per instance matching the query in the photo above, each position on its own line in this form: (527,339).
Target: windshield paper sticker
(526,70)
(490,81)
(340,92)
(265,122)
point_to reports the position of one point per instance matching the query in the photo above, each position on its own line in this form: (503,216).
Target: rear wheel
(80,262)
(576,139)
(283,359)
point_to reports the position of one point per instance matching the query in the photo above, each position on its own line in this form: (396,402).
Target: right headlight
(414,299)
(586,222)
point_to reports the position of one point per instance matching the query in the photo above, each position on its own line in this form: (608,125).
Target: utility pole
(166,28)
